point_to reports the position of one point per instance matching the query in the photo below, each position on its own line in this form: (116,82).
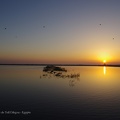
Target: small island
(52,68)
(58,72)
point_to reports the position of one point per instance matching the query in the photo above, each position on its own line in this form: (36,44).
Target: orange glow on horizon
(77,58)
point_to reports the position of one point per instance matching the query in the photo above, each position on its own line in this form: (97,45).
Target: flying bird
(99,24)
(43,26)
(5,28)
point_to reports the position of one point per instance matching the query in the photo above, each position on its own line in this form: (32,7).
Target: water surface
(95,94)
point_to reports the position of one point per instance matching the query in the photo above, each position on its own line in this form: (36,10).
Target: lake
(30,92)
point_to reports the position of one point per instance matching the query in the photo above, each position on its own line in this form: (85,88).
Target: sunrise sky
(60,31)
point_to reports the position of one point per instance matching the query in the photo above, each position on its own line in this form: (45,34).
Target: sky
(60,31)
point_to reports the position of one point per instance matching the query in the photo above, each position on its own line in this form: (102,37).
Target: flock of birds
(45,26)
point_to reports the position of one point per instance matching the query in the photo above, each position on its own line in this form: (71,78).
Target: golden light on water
(104,70)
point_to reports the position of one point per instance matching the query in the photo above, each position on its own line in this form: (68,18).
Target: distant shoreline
(60,65)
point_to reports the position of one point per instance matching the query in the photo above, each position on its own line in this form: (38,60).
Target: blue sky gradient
(76,31)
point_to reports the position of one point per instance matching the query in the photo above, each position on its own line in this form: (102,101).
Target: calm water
(95,94)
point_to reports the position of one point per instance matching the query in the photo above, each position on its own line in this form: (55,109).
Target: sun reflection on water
(104,70)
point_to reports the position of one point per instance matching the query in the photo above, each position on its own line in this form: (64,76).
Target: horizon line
(34,64)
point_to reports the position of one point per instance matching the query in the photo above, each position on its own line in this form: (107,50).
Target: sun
(104,61)
(104,57)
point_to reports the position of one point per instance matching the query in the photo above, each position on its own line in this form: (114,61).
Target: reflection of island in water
(54,71)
